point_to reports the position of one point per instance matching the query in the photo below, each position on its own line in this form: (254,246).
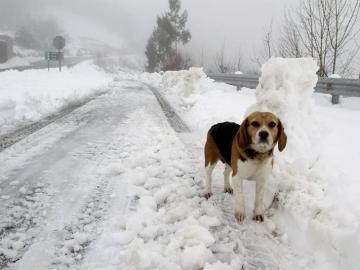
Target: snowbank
(33,94)
(196,97)
(314,215)
(285,88)
(186,82)
(15,62)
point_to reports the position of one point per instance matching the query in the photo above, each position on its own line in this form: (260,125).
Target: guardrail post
(238,87)
(335,98)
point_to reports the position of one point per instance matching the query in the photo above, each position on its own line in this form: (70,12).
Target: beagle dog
(247,151)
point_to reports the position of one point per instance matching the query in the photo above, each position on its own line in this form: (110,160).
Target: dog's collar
(253,154)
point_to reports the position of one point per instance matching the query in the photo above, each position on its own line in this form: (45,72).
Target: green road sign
(54,56)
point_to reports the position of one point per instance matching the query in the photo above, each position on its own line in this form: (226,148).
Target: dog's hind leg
(211,158)
(227,186)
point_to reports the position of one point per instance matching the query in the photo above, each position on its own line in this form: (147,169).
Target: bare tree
(324,30)
(268,40)
(220,63)
(238,64)
(290,41)
(267,50)
(341,22)
(313,17)
(201,58)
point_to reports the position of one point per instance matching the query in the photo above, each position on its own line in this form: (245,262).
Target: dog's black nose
(263,135)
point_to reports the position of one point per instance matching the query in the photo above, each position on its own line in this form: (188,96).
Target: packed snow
(31,95)
(15,62)
(113,186)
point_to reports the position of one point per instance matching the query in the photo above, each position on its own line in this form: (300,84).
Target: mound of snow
(187,91)
(285,88)
(33,94)
(186,82)
(15,62)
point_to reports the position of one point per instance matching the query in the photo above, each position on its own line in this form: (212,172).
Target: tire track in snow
(75,238)
(18,226)
(29,198)
(173,118)
(79,234)
(15,136)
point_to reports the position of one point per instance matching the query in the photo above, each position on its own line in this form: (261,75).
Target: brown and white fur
(251,157)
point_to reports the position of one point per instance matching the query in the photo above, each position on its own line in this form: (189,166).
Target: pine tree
(162,48)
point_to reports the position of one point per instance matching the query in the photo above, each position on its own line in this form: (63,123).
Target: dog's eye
(255,124)
(272,124)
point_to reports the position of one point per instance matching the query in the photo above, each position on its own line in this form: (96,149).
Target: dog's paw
(240,216)
(258,218)
(228,190)
(207,195)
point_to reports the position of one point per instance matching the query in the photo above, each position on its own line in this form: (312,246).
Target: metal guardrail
(332,86)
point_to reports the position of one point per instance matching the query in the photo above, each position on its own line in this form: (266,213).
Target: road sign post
(59,44)
(60,62)
(54,56)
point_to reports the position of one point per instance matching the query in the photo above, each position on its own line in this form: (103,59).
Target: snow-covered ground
(113,186)
(22,57)
(317,175)
(15,62)
(33,94)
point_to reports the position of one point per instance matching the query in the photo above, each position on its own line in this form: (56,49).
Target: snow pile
(15,62)
(33,94)
(191,91)
(302,176)
(145,77)
(285,88)
(22,57)
(186,82)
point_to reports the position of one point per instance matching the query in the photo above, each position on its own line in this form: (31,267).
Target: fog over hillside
(238,25)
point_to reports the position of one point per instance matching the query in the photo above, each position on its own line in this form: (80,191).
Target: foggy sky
(241,24)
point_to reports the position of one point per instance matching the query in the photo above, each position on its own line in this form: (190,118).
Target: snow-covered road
(54,184)
(112,185)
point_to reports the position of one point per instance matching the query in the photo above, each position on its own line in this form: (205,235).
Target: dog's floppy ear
(282,138)
(243,138)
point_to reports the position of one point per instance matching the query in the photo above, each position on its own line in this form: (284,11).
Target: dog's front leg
(239,198)
(260,188)
(227,186)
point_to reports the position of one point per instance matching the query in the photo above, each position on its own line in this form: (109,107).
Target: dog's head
(261,131)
